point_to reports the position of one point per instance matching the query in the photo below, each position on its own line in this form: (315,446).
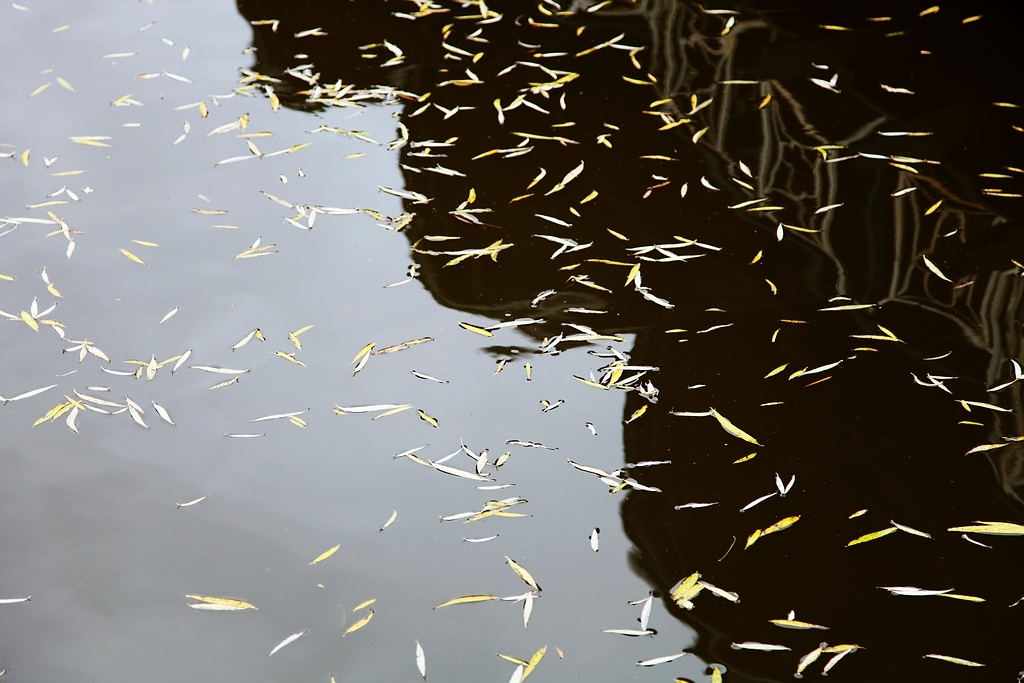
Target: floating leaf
(421,660)
(872,536)
(327,553)
(132,257)
(478,330)
(954,660)
(780,525)
(733,429)
(467,599)
(223,602)
(287,641)
(359,624)
(522,573)
(992,528)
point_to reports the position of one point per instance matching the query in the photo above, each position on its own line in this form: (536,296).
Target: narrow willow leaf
(992,528)
(910,530)
(287,641)
(132,257)
(169,315)
(216,607)
(954,660)
(808,659)
(636,414)
(391,520)
(227,602)
(421,660)
(780,525)
(660,660)
(478,330)
(522,573)
(986,447)
(798,625)
(162,412)
(364,351)
(467,599)
(359,624)
(327,553)
(872,536)
(534,661)
(733,429)
(763,647)
(966,598)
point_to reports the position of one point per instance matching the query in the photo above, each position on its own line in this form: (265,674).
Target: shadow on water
(874,423)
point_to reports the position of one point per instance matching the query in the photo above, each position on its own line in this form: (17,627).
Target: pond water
(753,270)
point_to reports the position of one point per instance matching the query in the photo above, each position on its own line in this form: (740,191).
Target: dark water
(868,410)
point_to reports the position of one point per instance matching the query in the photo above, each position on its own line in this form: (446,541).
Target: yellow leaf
(733,429)
(359,624)
(294,336)
(957,596)
(587,382)
(780,525)
(633,272)
(363,351)
(132,257)
(365,603)
(467,599)
(798,625)
(752,539)
(992,528)
(327,553)
(534,661)
(24,157)
(229,602)
(639,411)
(478,330)
(29,320)
(986,447)
(91,141)
(391,412)
(289,356)
(872,536)
(522,573)
(429,420)
(53,413)
(685,586)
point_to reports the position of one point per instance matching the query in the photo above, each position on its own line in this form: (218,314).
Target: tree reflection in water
(883,429)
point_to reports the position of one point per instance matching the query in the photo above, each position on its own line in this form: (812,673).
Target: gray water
(90,525)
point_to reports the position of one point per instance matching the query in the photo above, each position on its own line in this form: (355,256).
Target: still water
(767,254)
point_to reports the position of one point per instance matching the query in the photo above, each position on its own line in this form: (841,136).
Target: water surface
(93,530)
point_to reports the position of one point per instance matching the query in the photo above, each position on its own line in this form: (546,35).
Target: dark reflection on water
(866,436)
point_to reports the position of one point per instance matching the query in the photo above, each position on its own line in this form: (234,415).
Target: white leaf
(290,639)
